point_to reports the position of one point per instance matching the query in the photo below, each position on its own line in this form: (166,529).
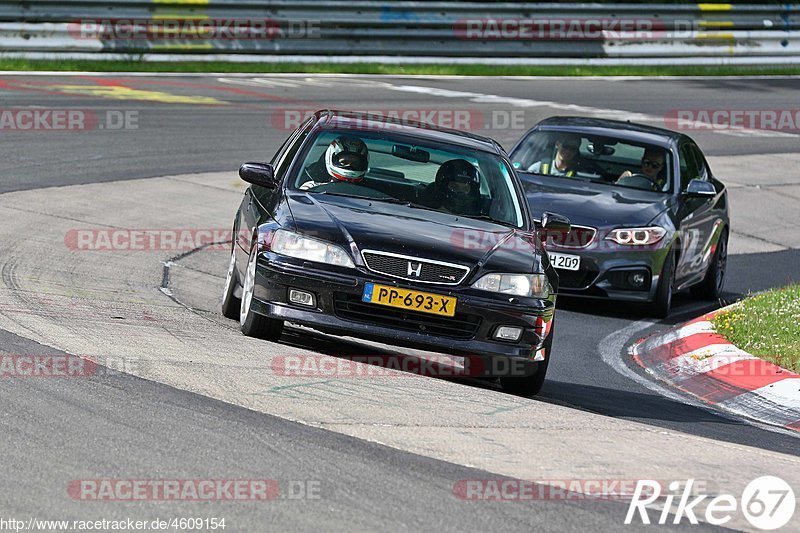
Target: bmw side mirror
(701,188)
(258,174)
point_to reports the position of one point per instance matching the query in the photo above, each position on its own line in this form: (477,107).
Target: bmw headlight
(286,242)
(533,285)
(637,236)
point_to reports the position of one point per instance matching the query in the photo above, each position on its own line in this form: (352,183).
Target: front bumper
(338,309)
(605,274)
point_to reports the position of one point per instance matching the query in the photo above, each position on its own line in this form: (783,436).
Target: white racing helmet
(347,158)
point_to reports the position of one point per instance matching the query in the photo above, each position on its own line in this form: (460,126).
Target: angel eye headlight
(637,236)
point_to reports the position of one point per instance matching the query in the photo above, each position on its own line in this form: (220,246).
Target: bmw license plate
(565,261)
(424,302)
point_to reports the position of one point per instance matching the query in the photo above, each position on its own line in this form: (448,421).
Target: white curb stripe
(699,362)
(777,403)
(686,331)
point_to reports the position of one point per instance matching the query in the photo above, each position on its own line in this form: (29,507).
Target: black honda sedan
(397,232)
(648,216)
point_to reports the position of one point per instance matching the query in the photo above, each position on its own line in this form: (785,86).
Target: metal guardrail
(406,29)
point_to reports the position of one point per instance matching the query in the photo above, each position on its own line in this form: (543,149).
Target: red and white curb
(696,359)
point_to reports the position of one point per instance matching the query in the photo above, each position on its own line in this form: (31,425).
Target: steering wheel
(656,186)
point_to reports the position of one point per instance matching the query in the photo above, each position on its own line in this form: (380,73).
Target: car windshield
(583,156)
(406,170)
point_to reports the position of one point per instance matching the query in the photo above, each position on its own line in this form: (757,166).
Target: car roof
(630,131)
(355,120)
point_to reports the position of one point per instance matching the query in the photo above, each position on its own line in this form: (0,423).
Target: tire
(251,323)
(711,286)
(530,385)
(230,303)
(659,307)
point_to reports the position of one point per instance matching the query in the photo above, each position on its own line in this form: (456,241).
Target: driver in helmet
(345,159)
(458,187)
(652,165)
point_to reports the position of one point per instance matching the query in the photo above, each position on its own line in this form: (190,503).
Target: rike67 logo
(768,503)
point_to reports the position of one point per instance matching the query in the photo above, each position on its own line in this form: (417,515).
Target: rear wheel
(711,286)
(659,307)
(253,324)
(230,303)
(530,385)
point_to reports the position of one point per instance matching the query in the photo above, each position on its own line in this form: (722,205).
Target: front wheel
(530,385)
(253,324)
(230,303)
(711,286)
(659,308)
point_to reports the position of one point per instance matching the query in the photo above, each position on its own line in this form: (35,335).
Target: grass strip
(135,65)
(766,325)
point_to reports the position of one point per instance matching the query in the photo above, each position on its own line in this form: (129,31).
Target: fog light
(636,279)
(301,297)
(508,333)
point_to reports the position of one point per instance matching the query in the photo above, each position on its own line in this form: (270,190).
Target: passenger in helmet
(345,159)
(458,187)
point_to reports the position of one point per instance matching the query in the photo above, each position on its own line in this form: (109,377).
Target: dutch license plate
(424,302)
(565,261)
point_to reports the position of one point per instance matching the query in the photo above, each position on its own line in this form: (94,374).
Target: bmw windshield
(611,161)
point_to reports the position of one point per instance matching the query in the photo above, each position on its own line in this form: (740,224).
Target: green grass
(380,68)
(766,325)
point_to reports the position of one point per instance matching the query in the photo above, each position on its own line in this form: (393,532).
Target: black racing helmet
(458,185)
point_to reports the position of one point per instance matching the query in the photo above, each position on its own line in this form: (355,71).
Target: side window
(702,169)
(689,167)
(290,148)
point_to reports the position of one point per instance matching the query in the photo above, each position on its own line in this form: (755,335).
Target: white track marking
(599,112)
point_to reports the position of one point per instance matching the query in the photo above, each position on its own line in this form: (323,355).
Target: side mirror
(701,188)
(258,174)
(555,223)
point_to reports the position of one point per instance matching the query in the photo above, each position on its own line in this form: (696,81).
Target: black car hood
(366,224)
(592,204)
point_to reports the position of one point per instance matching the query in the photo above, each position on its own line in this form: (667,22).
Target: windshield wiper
(360,197)
(384,199)
(490,219)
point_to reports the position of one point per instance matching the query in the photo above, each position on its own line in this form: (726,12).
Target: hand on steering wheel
(656,185)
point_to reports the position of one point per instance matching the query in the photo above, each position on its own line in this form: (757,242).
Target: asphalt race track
(197,400)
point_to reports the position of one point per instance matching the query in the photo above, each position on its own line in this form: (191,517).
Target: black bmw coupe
(649,218)
(397,232)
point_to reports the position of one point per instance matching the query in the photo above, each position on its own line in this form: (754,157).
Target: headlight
(637,236)
(295,245)
(534,285)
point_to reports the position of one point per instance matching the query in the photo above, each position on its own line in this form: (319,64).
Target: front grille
(578,237)
(575,279)
(407,267)
(460,326)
